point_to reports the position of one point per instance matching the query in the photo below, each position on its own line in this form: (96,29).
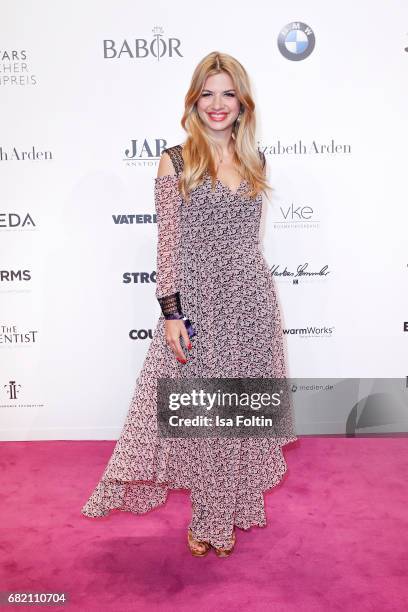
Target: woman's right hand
(173,329)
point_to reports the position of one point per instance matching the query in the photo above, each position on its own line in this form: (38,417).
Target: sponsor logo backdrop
(92,92)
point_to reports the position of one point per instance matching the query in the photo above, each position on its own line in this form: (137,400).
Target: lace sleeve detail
(168,270)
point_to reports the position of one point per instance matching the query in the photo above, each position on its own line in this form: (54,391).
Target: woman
(210,269)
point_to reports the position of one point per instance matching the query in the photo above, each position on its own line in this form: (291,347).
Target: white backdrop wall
(77,225)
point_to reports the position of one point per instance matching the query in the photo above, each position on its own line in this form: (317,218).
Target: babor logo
(140,48)
(296,41)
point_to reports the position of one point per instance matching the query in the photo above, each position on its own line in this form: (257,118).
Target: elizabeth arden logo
(312,147)
(19,154)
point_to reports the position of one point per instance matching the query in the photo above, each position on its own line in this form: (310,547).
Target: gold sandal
(193,544)
(225,552)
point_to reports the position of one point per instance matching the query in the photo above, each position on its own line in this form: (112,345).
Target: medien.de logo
(296,41)
(156,47)
(15,69)
(144,152)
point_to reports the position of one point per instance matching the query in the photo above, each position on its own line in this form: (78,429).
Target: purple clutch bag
(171,309)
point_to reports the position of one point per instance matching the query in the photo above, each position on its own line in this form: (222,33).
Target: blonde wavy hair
(199,150)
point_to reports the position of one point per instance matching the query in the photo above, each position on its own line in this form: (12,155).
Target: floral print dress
(209,252)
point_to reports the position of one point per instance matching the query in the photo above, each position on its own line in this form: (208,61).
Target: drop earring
(236,124)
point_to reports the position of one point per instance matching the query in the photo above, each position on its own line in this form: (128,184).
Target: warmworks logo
(16,221)
(139,278)
(134,218)
(11,276)
(311,331)
(157,47)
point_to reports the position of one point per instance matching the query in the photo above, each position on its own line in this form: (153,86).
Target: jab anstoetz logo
(144,152)
(301,274)
(13,221)
(15,68)
(156,47)
(19,154)
(295,216)
(296,41)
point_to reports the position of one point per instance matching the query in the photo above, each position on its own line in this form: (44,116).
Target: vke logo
(301,212)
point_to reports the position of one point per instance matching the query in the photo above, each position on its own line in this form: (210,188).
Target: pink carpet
(337,535)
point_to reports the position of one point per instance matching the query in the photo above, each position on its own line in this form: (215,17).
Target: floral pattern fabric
(208,250)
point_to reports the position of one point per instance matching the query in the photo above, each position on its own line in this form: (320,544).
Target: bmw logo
(296,41)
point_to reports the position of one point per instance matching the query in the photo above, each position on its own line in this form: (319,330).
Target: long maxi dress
(208,250)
